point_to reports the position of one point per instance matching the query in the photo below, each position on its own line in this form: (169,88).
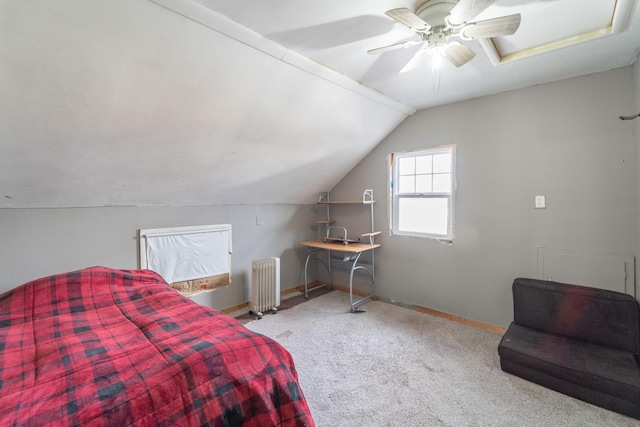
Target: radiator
(265,286)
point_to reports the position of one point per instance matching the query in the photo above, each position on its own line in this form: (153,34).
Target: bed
(111,347)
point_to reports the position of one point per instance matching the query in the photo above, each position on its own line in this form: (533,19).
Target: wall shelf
(325,199)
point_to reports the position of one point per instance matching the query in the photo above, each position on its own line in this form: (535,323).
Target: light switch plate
(540,202)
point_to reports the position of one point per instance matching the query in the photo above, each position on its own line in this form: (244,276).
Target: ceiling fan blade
(459,54)
(503,26)
(408,18)
(466,10)
(415,60)
(402,45)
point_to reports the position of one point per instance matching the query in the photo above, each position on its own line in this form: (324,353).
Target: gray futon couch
(580,341)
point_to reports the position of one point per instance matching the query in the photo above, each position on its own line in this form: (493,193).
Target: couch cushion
(611,371)
(598,316)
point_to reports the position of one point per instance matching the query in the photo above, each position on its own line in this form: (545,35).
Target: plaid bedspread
(114,348)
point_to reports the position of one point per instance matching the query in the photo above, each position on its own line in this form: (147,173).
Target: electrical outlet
(540,202)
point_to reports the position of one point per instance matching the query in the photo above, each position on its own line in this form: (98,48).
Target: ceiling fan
(438,22)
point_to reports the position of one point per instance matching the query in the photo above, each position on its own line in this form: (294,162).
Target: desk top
(333,246)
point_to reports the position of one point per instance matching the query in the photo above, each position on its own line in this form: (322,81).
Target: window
(422,190)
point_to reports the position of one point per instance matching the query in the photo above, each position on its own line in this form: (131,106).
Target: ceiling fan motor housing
(434,12)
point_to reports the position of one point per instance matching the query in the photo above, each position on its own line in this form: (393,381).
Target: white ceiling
(198,102)
(339,33)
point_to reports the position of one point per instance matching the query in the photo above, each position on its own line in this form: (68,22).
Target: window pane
(407,166)
(423,215)
(442,183)
(424,164)
(406,184)
(423,183)
(442,163)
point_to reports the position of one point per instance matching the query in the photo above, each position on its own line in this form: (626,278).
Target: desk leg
(353,269)
(306,279)
(371,296)
(329,269)
(310,253)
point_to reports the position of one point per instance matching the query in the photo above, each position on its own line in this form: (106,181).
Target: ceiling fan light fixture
(437,42)
(437,49)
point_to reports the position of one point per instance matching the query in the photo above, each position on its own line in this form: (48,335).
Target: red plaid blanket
(113,348)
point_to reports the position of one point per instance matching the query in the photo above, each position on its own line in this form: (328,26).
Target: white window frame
(395,197)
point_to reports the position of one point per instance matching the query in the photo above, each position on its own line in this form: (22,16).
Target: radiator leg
(257,313)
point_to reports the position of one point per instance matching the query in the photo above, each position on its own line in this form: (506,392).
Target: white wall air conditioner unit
(265,286)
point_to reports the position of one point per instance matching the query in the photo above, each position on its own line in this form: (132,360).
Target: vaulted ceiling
(198,102)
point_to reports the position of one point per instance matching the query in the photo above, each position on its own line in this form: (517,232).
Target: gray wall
(40,242)
(563,140)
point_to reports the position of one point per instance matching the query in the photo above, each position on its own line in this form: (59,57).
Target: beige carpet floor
(392,366)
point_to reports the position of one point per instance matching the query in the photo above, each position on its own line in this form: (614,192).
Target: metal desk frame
(355,249)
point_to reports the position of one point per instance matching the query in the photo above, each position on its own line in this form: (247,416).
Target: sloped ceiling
(124,102)
(198,102)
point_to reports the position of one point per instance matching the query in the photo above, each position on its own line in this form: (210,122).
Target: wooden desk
(356,249)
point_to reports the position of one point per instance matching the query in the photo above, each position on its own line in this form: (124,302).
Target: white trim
(619,22)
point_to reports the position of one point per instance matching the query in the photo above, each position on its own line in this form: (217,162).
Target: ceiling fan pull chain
(435,73)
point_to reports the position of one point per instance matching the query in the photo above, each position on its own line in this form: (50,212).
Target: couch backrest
(595,315)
